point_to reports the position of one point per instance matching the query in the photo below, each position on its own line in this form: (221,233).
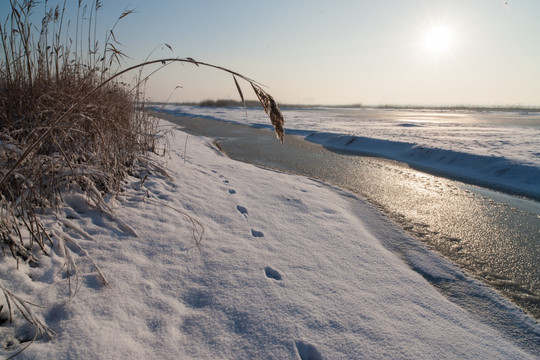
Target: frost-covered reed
(67,121)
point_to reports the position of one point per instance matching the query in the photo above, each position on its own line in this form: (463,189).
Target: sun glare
(438,40)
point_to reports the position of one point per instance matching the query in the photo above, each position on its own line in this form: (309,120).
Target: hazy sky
(483,52)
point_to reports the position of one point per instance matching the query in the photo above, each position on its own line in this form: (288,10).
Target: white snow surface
(288,268)
(497,149)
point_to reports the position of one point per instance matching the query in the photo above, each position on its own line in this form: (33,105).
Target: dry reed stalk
(59,129)
(23,307)
(66,122)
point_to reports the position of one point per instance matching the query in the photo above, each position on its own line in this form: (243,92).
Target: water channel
(493,236)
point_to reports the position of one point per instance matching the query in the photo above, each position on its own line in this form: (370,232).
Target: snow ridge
(494,172)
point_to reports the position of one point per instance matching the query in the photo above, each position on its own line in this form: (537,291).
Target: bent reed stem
(264,97)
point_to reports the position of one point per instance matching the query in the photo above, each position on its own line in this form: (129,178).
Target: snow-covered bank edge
(493,172)
(288,268)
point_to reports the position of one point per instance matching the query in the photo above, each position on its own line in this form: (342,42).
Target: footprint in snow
(307,351)
(225,180)
(256,233)
(272,273)
(242,210)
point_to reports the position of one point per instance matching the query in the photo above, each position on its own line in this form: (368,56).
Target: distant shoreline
(255,103)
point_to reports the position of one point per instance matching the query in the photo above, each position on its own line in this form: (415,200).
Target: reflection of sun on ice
(438,39)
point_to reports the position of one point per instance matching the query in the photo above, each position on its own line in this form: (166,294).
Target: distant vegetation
(254,103)
(228,103)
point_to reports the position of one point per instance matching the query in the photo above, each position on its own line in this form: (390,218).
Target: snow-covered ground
(288,268)
(496,149)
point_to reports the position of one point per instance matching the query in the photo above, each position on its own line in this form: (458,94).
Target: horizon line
(233,102)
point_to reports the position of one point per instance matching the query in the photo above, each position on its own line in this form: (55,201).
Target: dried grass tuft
(67,122)
(24,308)
(63,126)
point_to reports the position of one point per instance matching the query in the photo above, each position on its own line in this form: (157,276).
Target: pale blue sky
(341,52)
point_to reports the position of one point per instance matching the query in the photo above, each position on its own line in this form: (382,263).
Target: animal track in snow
(307,351)
(242,210)
(221,177)
(272,273)
(256,233)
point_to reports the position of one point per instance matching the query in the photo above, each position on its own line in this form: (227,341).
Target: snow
(288,268)
(496,149)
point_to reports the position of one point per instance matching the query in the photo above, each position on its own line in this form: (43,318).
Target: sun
(438,39)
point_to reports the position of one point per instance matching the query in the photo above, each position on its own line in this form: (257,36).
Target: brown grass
(67,122)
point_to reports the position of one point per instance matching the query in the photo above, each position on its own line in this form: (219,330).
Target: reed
(68,122)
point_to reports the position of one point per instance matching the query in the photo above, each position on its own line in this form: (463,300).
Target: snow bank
(490,171)
(289,268)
